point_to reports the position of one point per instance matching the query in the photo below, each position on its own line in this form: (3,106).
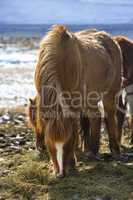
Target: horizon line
(64,23)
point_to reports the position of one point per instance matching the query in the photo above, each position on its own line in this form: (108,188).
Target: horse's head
(33,119)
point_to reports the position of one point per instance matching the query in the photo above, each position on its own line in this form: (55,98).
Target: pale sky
(66,11)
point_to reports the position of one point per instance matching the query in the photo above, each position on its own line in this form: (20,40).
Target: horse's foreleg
(52,152)
(40,143)
(95,124)
(69,160)
(85,125)
(60,158)
(132,129)
(112,126)
(120,117)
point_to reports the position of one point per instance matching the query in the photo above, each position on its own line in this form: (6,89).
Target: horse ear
(31,101)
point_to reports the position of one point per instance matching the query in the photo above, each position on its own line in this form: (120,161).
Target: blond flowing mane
(58,67)
(59,56)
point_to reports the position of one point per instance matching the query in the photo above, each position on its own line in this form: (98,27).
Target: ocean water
(16,75)
(39,30)
(17,61)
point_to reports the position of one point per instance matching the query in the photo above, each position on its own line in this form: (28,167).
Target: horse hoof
(99,158)
(94,157)
(121,158)
(107,157)
(60,175)
(124,158)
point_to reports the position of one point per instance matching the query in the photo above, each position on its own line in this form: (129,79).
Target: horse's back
(126,46)
(102,61)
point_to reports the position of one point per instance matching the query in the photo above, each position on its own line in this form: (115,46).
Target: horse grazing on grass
(32,113)
(126,46)
(74,71)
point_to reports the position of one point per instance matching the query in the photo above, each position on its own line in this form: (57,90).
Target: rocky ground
(26,175)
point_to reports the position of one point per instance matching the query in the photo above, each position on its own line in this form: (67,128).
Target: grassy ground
(26,176)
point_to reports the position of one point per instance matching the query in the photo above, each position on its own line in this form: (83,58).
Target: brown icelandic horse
(32,113)
(126,46)
(74,71)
